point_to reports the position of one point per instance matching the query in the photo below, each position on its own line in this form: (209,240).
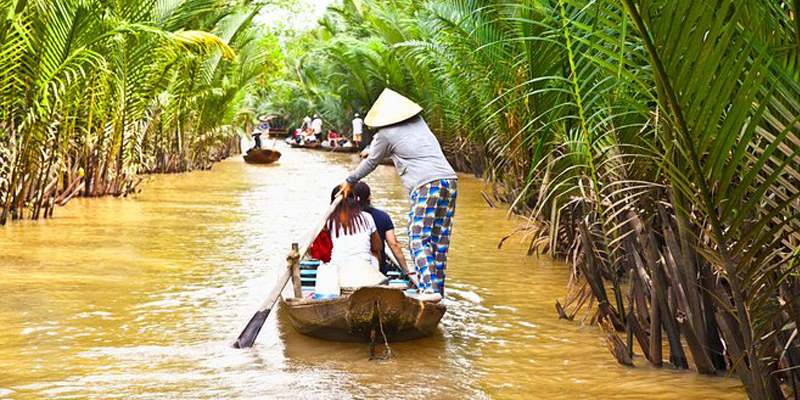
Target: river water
(142,297)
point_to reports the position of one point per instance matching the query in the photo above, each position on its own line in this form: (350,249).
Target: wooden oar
(248,335)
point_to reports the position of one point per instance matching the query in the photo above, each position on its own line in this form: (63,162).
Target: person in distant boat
(355,252)
(333,138)
(309,138)
(316,127)
(358,130)
(306,124)
(256,138)
(264,125)
(385,227)
(297,135)
(405,137)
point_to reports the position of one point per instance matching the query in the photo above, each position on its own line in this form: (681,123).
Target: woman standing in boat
(405,137)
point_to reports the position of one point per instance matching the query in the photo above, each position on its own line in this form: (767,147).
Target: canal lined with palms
(143,296)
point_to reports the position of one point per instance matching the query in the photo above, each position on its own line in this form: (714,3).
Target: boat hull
(352,318)
(262,156)
(304,146)
(278,133)
(321,147)
(338,149)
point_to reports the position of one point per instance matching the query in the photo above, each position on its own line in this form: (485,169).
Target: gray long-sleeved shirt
(414,150)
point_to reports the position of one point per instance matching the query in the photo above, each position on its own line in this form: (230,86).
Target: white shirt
(316,125)
(356,245)
(358,126)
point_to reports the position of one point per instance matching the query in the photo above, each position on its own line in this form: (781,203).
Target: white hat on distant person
(391,108)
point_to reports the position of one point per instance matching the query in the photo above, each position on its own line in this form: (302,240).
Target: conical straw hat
(391,108)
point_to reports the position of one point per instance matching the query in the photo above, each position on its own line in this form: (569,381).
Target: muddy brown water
(142,297)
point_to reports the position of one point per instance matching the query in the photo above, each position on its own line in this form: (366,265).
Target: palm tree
(96,92)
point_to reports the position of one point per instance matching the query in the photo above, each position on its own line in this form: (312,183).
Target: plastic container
(327,285)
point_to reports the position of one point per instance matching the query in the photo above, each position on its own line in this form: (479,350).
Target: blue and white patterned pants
(430,223)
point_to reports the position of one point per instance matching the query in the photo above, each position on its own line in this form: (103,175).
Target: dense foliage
(94,92)
(653,142)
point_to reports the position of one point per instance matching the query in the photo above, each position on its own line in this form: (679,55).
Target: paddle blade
(248,335)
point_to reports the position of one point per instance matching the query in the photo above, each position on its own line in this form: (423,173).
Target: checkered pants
(430,223)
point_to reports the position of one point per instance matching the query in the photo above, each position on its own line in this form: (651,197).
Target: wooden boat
(277,127)
(278,133)
(323,147)
(295,145)
(262,156)
(368,311)
(339,149)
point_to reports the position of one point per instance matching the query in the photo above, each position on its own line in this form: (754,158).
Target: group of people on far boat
(310,133)
(352,243)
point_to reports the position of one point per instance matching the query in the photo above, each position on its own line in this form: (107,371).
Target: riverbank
(142,296)
(42,192)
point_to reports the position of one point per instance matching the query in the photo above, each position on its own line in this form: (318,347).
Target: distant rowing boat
(338,149)
(262,156)
(295,145)
(324,147)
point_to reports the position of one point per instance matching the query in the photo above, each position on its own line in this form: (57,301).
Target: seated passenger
(309,138)
(333,138)
(385,228)
(355,253)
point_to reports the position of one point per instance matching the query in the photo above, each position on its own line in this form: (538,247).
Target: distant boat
(277,126)
(295,145)
(323,147)
(262,156)
(338,149)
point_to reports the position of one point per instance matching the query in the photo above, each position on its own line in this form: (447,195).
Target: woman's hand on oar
(344,189)
(250,332)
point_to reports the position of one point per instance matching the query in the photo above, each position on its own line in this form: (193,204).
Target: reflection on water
(143,297)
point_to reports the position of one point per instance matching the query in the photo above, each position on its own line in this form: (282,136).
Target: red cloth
(322,247)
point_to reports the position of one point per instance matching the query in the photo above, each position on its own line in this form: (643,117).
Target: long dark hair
(346,217)
(362,193)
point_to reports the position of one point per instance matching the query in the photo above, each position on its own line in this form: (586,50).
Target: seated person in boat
(333,138)
(309,138)
(356,249)
(385,228)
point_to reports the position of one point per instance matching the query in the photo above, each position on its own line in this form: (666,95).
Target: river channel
(142,297)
